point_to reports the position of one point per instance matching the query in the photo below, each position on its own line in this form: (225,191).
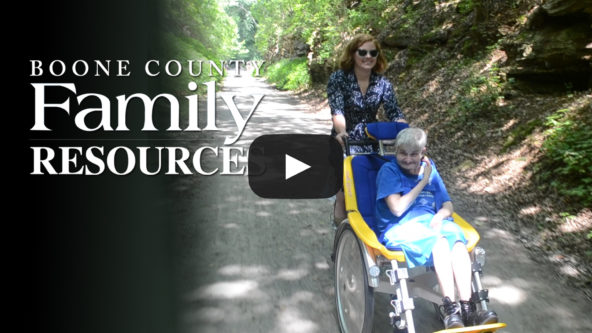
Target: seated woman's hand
(436,222)
(427,169)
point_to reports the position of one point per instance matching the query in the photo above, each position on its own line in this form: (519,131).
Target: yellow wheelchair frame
(364,266)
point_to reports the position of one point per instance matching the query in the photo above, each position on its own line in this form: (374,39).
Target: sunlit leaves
(323,24)
(567,161)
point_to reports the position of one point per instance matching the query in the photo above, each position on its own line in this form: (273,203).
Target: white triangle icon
(294,166)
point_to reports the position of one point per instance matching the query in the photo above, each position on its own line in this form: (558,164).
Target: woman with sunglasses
(355,93)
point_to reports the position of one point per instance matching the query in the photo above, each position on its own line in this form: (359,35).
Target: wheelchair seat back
(365,169)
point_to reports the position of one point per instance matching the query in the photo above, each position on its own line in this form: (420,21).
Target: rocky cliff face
(547,46)
(554,47)
(290,46)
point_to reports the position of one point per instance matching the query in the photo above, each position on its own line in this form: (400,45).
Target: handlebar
(363,142)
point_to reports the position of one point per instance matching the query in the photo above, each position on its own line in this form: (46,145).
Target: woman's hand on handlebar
(339,137)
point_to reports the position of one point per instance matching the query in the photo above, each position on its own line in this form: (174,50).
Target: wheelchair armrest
(471,234)
(368,237)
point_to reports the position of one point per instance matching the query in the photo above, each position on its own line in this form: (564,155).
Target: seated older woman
(413,212)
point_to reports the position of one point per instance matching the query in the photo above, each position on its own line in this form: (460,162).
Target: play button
(295,166)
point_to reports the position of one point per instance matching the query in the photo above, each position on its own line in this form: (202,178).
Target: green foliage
(281,21)
(289,74)
(567,161)
(465,6)
(477,96)
(520,133)
(468,46)
(372,15)
(183,47)
(415,55)
(203,21)
(196,30)
(240,12)
(323,24)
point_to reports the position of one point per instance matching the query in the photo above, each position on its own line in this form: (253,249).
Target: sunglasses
(362,53)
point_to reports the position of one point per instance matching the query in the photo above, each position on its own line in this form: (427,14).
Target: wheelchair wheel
(354,297)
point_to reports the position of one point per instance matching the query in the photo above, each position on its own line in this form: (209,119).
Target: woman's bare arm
(339,126)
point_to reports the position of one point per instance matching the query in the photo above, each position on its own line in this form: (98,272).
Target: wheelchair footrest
(474,329)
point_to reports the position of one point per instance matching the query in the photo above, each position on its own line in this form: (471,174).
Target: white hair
(412,138)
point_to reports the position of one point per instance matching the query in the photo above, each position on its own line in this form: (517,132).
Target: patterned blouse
(345,98)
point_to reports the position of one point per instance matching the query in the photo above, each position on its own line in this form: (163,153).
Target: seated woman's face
(409,159)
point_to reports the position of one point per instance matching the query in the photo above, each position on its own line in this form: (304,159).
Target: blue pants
(416,239)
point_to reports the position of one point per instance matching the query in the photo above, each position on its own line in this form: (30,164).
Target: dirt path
(247,264)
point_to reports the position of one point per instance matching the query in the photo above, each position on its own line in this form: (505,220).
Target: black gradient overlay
(91,253)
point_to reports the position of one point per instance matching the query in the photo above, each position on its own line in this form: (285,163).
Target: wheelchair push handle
(376,132)
(364,142)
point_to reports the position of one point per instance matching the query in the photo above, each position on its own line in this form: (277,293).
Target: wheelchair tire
(354,297)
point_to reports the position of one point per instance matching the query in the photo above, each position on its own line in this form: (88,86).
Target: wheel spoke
(353,295)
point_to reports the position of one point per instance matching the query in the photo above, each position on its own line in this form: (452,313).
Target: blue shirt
(392,180)
(345,98)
